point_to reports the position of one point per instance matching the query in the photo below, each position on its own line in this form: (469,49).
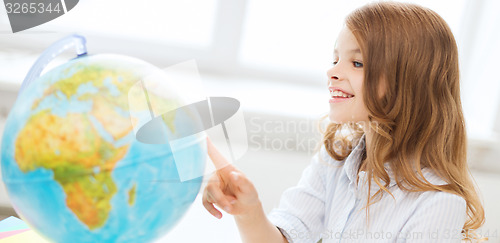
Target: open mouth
(338,95)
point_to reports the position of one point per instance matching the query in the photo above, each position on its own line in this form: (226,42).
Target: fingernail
(227,209)
(232,201)
(234,175)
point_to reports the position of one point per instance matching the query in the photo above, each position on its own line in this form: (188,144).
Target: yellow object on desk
(25,237)
(13,229)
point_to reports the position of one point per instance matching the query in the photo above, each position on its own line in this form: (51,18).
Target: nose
(334,74)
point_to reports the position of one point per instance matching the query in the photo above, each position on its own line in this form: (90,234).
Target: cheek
(357,86)
(359,106)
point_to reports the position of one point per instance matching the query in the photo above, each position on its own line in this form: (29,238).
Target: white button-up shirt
(328,204)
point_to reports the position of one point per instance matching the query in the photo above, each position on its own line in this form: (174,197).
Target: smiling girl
(392,166)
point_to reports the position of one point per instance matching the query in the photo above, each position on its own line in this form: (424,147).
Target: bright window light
(300,35)
(185,23)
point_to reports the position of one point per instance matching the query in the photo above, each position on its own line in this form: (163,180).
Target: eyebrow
(349,51)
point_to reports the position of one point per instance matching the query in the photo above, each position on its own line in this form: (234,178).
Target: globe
(72,162)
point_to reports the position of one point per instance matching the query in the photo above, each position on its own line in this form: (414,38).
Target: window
(184,23)
(300,35)
(277,39)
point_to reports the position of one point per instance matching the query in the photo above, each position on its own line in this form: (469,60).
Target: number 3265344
(32,8)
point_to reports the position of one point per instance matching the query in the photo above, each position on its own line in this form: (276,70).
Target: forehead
(346,42)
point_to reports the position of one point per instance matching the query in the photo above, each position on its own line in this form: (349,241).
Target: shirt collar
(351,166)
(353,161)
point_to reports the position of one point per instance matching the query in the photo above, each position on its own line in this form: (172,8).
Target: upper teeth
(338,93)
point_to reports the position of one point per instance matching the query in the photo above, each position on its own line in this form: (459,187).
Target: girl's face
(345,81)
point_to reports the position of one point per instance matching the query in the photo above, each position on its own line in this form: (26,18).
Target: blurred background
(272,56)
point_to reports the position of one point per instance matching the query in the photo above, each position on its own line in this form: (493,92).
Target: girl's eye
(334,63)
(357,64)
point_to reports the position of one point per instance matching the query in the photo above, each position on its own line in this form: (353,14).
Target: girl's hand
(229,188)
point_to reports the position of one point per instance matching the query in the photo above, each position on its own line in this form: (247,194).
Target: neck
(368,139)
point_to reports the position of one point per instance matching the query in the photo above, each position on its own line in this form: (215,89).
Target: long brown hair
(418,121)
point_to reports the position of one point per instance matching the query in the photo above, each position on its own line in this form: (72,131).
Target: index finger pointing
(217,158)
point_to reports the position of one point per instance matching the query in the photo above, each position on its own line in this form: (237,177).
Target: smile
(338,95)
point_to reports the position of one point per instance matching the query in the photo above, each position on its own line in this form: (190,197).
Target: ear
(382,87)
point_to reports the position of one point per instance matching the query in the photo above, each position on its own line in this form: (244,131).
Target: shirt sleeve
(301,212)
(440,218)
